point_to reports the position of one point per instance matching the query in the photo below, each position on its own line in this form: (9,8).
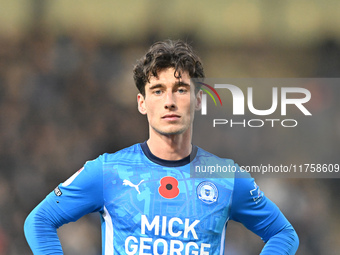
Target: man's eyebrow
(181,83)
(177,83)
(156,86)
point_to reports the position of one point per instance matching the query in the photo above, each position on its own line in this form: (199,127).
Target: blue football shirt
(152,206)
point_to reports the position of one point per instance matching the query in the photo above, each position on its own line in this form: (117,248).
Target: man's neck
(171,147)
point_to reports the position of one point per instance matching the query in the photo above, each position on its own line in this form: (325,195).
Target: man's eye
(182,90)
(157,92)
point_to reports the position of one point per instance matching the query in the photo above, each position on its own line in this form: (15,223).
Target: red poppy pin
(169,187)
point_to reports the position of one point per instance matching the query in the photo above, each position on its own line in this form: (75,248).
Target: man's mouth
(171,117)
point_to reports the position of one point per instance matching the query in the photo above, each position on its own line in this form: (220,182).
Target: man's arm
(41,229)
(260,215)
(79,195)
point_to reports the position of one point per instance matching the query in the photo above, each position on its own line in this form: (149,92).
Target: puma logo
(128,183)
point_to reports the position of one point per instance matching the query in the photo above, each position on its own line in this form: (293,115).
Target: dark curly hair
(163,55)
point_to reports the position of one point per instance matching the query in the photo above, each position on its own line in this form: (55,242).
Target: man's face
(169,103)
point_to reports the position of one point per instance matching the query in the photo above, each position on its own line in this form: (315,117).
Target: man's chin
(171,131)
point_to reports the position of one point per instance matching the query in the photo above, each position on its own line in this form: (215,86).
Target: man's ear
(198,100)
(141,103)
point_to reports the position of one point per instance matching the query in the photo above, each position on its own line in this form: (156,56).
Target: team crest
(207,192)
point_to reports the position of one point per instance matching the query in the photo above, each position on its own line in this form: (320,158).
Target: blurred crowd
(59,106)
(69,98)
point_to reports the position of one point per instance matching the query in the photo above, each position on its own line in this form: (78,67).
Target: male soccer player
(146,199)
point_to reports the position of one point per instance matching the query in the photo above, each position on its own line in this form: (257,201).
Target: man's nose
(170,102)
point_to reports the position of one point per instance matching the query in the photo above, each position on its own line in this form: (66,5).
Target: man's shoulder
(203,154)
(128,153)
(209,165)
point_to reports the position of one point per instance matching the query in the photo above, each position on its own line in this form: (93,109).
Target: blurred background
(67,95)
